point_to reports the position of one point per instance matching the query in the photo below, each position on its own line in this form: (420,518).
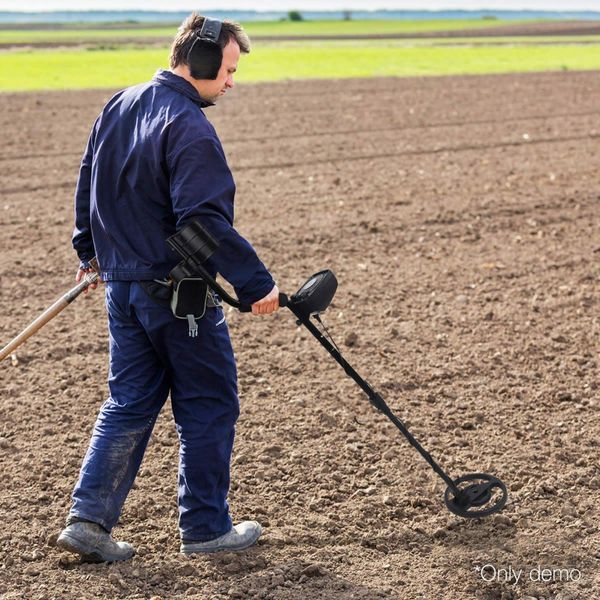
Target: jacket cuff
(256,289)
(84,262)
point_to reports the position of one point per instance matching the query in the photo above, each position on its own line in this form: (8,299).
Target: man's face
(213,89)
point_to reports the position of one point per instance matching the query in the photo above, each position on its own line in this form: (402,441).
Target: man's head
(197,60)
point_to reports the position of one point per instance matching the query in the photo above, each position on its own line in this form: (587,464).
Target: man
(154,163)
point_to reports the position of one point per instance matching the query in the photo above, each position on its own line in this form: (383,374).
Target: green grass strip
(368,27)
(334,62)
(82,36)
(57,69)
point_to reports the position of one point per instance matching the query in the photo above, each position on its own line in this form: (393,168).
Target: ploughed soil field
(462,219)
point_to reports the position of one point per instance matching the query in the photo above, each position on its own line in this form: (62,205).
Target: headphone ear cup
(205,59)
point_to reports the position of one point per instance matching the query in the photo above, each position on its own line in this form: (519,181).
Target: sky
(279,5)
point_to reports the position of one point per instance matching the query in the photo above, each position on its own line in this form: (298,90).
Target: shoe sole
(87,554)
(253,541)
(71,544)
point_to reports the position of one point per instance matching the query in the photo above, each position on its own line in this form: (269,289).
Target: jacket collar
(179,84)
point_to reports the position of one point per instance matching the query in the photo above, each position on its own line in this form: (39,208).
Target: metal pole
(48,314)
(376,399)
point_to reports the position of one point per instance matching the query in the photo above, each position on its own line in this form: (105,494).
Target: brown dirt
(542,28)
(461,216)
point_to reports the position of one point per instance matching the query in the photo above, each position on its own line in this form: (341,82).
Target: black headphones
(205,55)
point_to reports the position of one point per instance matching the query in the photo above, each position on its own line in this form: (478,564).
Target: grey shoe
(238,538)
(93,543)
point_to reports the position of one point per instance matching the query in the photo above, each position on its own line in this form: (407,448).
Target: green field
(254,29)
(64,69)
(39,36)
(114,57)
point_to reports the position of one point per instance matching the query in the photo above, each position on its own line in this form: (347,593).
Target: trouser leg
(205,407)
(206,432)
(139,385)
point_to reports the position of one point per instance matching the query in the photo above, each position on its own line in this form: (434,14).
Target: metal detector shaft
(48,314)
(375,399)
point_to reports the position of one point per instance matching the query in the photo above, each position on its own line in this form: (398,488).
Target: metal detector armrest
(196,245)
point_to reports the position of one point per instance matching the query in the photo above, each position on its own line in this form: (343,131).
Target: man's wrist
(258,292)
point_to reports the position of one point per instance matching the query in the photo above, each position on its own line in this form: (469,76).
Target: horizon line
(249,10)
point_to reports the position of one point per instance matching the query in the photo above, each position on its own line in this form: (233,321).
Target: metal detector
(470,496)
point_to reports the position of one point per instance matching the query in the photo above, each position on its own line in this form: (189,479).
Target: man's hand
(81,273)
(269,304)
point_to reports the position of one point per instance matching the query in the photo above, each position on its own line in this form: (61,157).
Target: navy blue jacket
(153,163)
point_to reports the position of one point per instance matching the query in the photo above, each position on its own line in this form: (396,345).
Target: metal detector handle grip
(246,308)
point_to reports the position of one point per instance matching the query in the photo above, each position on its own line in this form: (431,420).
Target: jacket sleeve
(202,188)
(82,233)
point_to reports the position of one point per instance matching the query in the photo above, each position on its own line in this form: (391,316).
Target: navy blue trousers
(152,355)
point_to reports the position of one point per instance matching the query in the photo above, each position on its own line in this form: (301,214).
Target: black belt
(160,290)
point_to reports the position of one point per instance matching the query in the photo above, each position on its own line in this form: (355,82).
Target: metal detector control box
(316,294)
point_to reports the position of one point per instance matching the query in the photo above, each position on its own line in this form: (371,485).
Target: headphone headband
(210,31)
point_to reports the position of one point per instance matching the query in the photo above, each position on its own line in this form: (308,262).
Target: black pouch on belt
(158,290)
(189,301)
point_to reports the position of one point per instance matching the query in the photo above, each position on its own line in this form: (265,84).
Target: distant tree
(489,18)
(347,15)
(295,15)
